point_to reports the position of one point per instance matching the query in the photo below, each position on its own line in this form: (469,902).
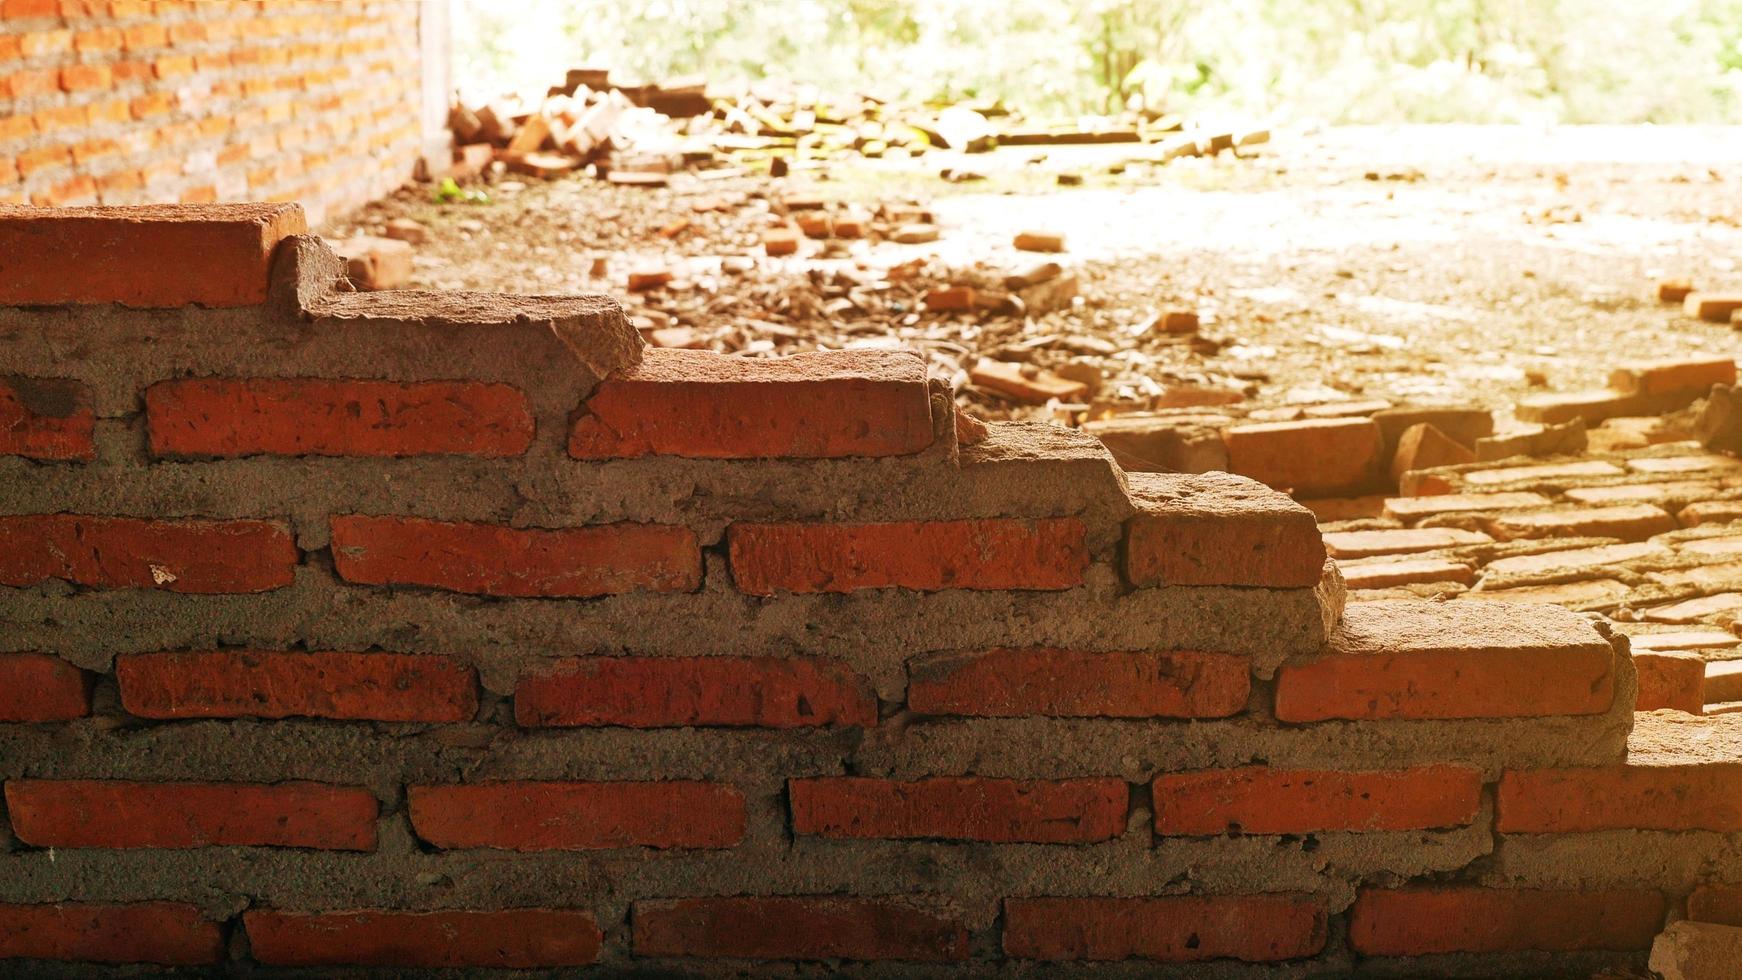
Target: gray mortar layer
(556,351)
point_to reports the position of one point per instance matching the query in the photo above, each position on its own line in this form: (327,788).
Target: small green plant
(450,191)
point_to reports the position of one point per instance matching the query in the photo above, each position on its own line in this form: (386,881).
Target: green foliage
(1340,60)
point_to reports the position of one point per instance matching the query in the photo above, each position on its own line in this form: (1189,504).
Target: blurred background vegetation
(1339,61)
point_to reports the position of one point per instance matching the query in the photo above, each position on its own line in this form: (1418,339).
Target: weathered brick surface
(1671,680)
(1261,800)
(129,553)
(1068,811)
(797,928)
(1458,919)
(1721,903)
(1690,797)
(504,561)
(648,692)
(702,405)
(509,939)
(1659,376)
(1629,522)
(1315,456)
(121,814)
(1045,553)
(1215,529)
(1409,660)
(134,102)
(235,683)
(546,816)
(36,687)
(46,418)
(160,257)
(1176,929)
(311,416)
(162,933)
(1078,684)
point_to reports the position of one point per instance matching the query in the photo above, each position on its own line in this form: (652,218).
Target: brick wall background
(460,630)
(164,101)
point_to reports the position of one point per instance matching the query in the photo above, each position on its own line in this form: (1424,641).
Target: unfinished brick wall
(151,101)
(458,630)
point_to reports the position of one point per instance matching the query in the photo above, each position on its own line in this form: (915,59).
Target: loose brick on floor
(1399,541)
(506,939)
(1712,464)
(1410,509)
(1454,660)
(1573,559)
(1682,640)
(161,933)
(1312,456)
(1574,595)
(796,928)
(1693,610)
(1171,929)
(1262,800)
(194,556)
(703,405)
(1039,554)
(660,692)
(553,816)
(1408,571)
(1632,493)
(1673,374)
(1542,472)
(1425,920)
(316,417)
(1630,522)
(1063,811)
(1010,683)
(235,683)
(1216,529)
(490,559)
(1710,512)
(121,814)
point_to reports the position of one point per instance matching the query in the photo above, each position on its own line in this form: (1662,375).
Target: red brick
(312,416)
(1010,683)
(1452,660)
(1674,374)
(155,256)
(36,687)
(101,39)
(84,78)
(508,939)
(797,928)
(660,692)
(1686,797)
(1063,811)
(1399,541)
(1319,456)
(1463,919)
(1172,929)
(1629,522)
(46,418)
(550,816)
(235,683)
(1388,573)
(488,559)
(1261,800)
(164,933)
(1216,529)
(194,556)
(24,84)
(1046,553)
(1716,903)
(21,9)
(703,405)
(1671,680)
(116,814)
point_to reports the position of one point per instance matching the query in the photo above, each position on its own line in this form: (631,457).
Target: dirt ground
(1423,263)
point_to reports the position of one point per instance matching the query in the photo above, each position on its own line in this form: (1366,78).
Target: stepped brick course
(370,650)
